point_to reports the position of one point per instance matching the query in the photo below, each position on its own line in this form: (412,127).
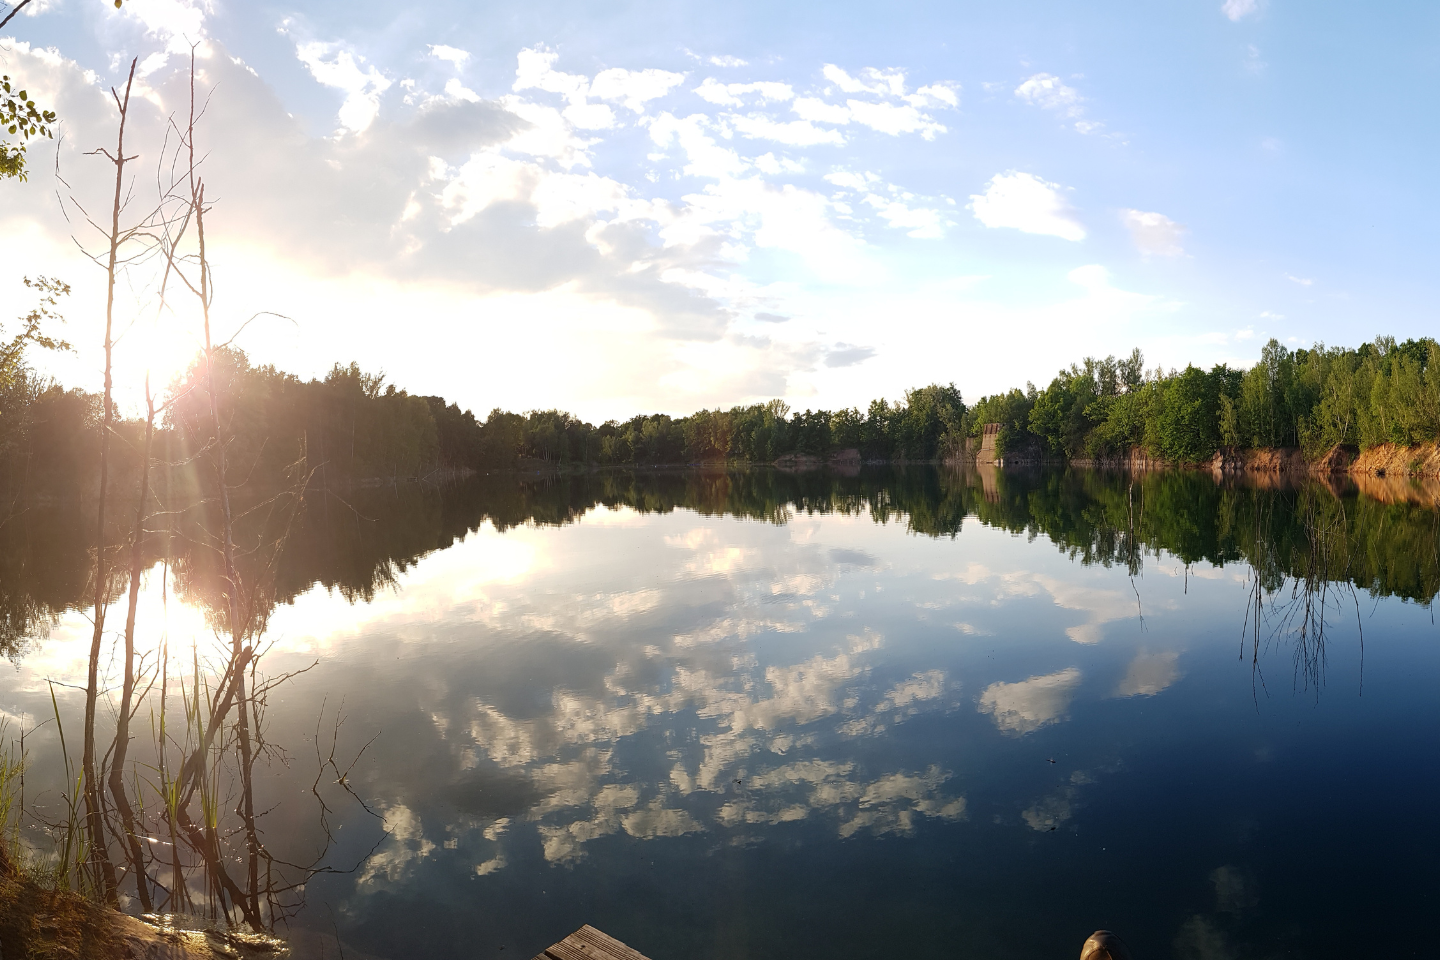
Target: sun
(160,348)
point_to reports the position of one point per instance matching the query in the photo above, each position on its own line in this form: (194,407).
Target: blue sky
(660,206)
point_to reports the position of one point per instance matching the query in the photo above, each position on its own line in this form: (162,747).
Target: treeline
(350,426)
(347,426)
(917,428)
(1315,399)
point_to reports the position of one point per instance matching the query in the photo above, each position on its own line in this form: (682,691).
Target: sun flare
(160,348)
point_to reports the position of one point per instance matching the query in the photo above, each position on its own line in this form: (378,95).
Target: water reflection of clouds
(1149,673)
(1028,705)
(537,658)
(406,846)
(1081,592)
(727,768)
(756,712)
(1049,812)
(888,804)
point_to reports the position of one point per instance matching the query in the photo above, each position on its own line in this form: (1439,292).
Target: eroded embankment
(1388,459)
(1384,460)
(1278,460)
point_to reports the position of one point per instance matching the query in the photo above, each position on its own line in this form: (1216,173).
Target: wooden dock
(587,943)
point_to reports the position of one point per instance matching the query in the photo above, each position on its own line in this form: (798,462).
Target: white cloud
(453,54)
(1238,9)
(37,7)
(1303,281)
(936,95)
(769,163)
(1027,203)
(342,70)
(728,61)
(884,82)
(736,206)
(152,64)
(706,157)
(535,70)
(813,108)
(730,94)
(892,119)
(920,222)
(493,200)
(786,218)
(1049,92)
(456,90)
(796,133)
(549,132)
(634,88)
(177,23)
(1154,234)
(853,181)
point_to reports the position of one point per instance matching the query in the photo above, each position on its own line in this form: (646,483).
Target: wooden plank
(603,941)
(567,949)
(587,943)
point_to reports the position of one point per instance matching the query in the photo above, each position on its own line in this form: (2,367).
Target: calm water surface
(918,713)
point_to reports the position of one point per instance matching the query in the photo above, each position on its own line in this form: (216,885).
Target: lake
(915,711)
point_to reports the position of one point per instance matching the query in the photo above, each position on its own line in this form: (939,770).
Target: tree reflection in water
(1310,536)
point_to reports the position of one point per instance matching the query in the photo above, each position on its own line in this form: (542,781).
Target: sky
(661,206)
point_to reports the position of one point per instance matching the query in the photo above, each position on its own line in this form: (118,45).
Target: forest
(351,426)
(1314,399)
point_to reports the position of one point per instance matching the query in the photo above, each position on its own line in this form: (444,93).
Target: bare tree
(94,813)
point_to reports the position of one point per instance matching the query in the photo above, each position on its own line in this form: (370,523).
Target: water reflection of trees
(1308,536)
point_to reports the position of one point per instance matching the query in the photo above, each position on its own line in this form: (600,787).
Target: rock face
(1263,460)
(1338,459)
(1392,460)
(1387,459)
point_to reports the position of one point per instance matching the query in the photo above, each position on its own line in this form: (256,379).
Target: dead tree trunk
(94,812)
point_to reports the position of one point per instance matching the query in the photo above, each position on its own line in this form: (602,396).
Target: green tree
(19,116)
(1186,426)
(32,328)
